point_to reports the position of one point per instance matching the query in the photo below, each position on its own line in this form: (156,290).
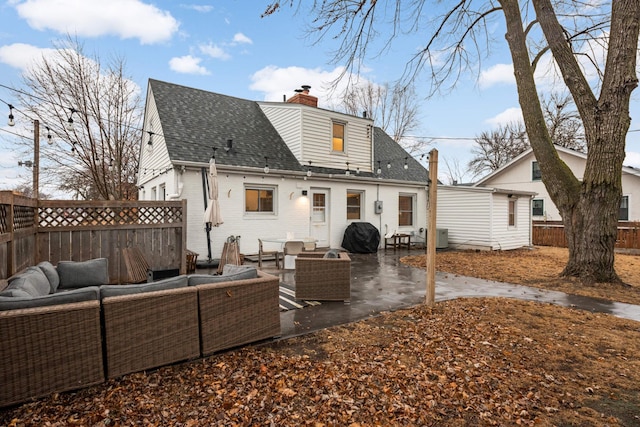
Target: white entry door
(320,216)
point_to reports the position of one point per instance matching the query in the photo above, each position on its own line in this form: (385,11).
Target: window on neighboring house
(154,193)
(354,204)
(163,192)
(405,210)
(512,213)
(536,175)
(537,207)
(338,137)
(624,209)
(259,199)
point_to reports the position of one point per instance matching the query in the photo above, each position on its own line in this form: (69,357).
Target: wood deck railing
(54,230)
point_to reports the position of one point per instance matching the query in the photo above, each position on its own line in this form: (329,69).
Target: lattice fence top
(73,216)
(23,217)
(4,219)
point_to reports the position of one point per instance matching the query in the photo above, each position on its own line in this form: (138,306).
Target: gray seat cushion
(76,274)
(33,281)
(240,274)
(160,285)
(90,293)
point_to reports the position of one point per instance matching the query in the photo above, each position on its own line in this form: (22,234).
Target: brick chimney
(302,97)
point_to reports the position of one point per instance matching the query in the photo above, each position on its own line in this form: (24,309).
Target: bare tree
(494,149)
(574,33)
(454,171)
(393,109)
(563,121)
(91,117)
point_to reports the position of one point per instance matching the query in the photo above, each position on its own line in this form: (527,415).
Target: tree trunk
(589,209)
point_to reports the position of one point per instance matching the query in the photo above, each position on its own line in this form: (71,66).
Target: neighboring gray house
(283,168)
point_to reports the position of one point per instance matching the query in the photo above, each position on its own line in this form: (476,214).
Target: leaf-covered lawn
(465,362)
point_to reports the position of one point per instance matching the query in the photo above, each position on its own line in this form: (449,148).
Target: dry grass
(538,267)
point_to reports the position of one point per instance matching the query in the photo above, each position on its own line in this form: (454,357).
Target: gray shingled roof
(194,121)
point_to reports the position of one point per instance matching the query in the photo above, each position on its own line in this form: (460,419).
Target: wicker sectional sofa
(68,337)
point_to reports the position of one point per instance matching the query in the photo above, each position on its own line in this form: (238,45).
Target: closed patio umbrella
(212,215)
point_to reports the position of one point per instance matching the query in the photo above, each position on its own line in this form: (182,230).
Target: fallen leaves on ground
(478,361)
(538,267)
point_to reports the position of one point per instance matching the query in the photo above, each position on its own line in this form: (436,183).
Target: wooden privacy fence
(551,233)
(55,230)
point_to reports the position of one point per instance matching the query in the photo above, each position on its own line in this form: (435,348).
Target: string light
(309,169)
(11,122)
(379,170)
(406,165)
(347,172)
(49,137)
(69,125)
(150,142)
(266,164)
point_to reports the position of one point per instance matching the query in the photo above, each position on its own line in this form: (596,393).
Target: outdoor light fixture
(69,125)
(406,165)
(49,136)
(379,170)
(266,164)
(11,122)
(347,172)
(27,163)
(150,142)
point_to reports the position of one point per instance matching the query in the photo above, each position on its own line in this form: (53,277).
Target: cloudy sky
(225,46)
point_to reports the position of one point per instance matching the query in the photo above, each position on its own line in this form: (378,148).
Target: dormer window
(338,137)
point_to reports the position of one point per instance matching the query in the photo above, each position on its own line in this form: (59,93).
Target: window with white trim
(536,174)
(537,207)
(354,204)
(259,200)
(337,143)
(406,204)
(512,213)
(624,209)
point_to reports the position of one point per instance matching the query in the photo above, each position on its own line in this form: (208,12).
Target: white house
(283,167)
(523,174)
(484,218)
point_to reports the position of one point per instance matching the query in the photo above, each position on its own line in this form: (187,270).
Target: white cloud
(241,38)
(122,18)
(496,74)
(23,56)
(632,159)
(509,115)
(275,82)
(187,65)
(214,51)
(198,8)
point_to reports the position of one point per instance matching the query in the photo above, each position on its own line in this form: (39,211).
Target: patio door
(320,217)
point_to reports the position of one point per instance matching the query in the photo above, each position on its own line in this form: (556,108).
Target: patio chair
(262,252)
(291,249)
(309,246)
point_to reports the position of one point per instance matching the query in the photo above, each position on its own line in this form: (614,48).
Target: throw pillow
(331,254)
(76,274)
(52,274)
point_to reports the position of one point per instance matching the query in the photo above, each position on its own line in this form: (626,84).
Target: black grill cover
(361,238)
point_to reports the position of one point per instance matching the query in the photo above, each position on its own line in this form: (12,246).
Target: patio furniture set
(65,327)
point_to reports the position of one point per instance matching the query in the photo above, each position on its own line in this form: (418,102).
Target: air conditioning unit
(442,238)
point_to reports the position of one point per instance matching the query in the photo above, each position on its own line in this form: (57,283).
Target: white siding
(467,215)
(288,123)
(156,162)
(517,176)
(478,218)
(293,215)
(307,131)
